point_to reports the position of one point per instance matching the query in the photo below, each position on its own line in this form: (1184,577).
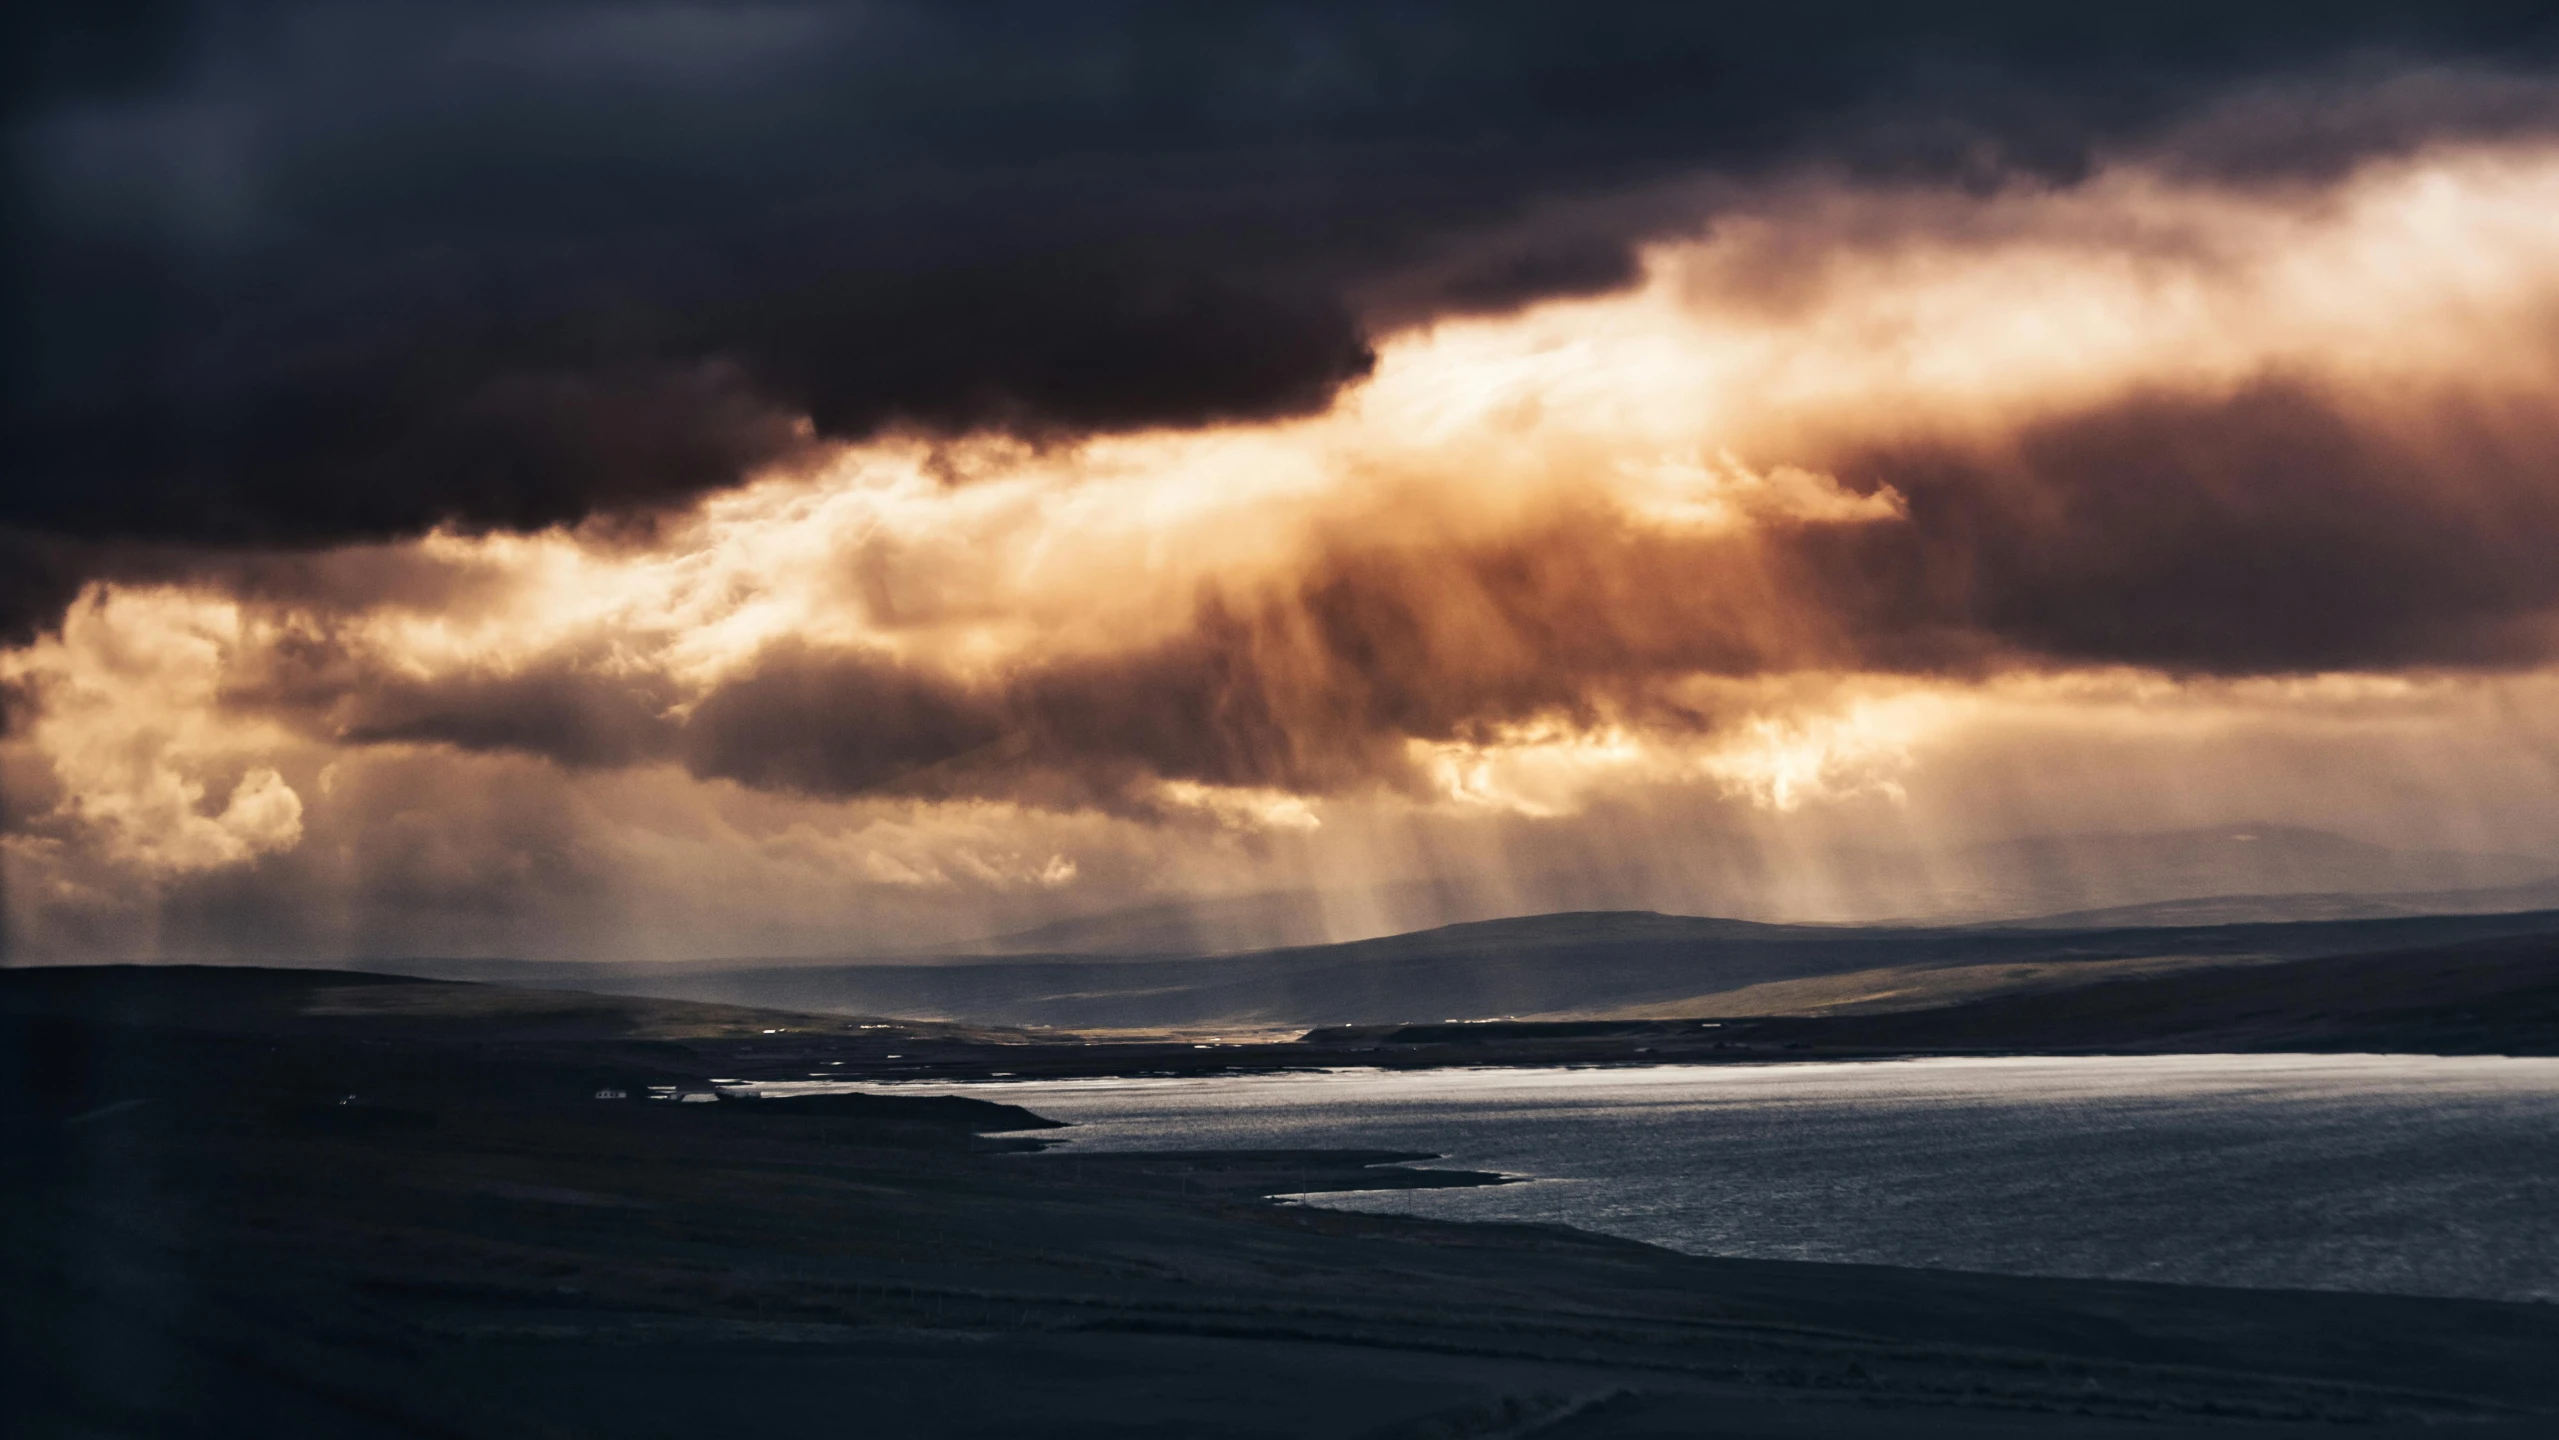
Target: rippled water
(2412,1174)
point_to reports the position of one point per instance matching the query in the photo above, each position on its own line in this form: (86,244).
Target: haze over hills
(2311,905)
(1566,965)
(2052,875)
(1173,966)
(2262,872)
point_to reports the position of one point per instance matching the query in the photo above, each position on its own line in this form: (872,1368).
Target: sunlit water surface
(2413,1174)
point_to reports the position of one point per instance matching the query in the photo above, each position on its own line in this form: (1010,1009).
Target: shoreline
(1721,1173)
(410,1216)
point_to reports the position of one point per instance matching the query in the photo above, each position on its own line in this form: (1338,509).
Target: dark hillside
(1586,963)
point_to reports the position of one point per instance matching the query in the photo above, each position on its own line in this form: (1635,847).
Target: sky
(648,481)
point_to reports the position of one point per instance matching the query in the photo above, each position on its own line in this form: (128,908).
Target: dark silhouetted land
(330,1204)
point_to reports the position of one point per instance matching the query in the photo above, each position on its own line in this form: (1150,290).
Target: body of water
(2410,1174)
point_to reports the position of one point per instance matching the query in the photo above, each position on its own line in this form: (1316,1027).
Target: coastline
(411,1221)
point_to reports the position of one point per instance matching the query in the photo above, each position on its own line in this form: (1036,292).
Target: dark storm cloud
(579,714)
(287,273)
(2281,529)
(18,709)
(834,724)
(39,574)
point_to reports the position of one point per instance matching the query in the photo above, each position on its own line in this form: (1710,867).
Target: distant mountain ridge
(2288,872)
(2062,874)
(1573,964)
(2287,909)
(1173,966)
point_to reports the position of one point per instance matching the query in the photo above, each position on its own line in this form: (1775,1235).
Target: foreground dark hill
(233,1202)
(1574,965)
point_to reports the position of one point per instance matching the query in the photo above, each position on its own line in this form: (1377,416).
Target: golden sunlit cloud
(129,713)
